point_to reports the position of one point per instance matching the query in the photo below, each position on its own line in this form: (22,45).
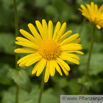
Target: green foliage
(21,78)
(25,97)
(41,3)
(52,12)
(7,43)
(96,64)
(4,76)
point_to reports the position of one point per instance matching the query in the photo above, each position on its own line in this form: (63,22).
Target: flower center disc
(49,50)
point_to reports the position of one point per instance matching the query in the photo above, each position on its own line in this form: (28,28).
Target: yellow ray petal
(88,17)
(96,9)
(26,57)
(76,40)
(61,31)
(45,28)
(84,9)
(46,77)
(33,60)
(29,61)
(27,35)
(70,55)
(52,68)
(41,66)
(57,67)
(24,62)
(24,50)
(71,38)
(65,35)
(66,66)
(75,48)
(100,9)
(84,13)
(92,6)
(36,67)
(71,47)
(34,32)
(69,59)
(81,10)
(98,26)
(79,52)
(89,9)
(21,39)
(40,28)
(50,29)
(64,70)
(56,30)
(26,44)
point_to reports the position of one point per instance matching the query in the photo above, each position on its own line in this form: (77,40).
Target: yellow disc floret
(49,49)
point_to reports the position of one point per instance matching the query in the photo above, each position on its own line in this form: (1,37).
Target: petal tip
(33,73)
(70,31)
(45,81)
(16,50)
(30,24)
(98,26)
(20,30)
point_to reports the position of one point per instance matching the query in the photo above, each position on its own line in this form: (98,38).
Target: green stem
(83,22)
(41,90)
(16,19)
(16,31)
(88,62)
(16,34)
(17,92)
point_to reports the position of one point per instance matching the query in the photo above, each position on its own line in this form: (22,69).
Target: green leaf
(87,84)
(21,78)
(4,77)
(86,45)
(7,43)
(73,86)
(97,83)
(6,14)
(96,63)
(25,97)
(49,98)
(62,82)
(5,81)
(41,3)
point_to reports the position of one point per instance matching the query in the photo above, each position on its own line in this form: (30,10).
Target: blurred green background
(55,10)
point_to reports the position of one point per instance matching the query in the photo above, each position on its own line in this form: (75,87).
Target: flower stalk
(83,22)
(89,57)
(16,34)
(41,90)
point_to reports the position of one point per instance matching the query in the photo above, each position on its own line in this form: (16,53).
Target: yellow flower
(48,50)
(93,14)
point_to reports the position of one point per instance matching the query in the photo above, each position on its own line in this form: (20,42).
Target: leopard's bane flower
(48,50)
(93,14)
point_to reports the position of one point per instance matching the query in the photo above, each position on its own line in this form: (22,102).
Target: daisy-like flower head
(93,14)
(47,49)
